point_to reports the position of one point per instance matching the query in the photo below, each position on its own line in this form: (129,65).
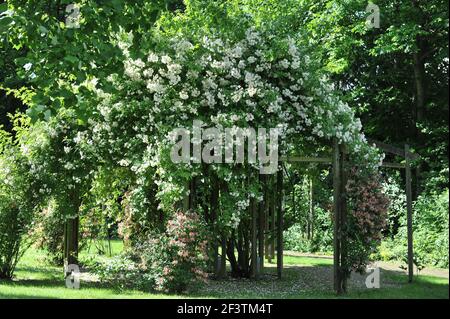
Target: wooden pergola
(337,160)
(267,216)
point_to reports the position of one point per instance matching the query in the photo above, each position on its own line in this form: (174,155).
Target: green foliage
(431,224)
(58,61)
(367,218)
(305,232)
(430,233)
(395,77)
(121,272)
(104,97)
(397,205)
(173,261)
(14,224)
(178,259)
(49,233)
(322,241)
(18,200)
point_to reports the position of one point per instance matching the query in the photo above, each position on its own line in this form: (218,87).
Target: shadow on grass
(22,296)
(299,281)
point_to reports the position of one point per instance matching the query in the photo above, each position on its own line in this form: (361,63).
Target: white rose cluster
(256,81)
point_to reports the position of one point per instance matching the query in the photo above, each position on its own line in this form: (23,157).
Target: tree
(58,62)
(395,77)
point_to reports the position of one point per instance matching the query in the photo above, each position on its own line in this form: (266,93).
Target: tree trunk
(419,77)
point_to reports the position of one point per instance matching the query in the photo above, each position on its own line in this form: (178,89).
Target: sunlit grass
(303,277)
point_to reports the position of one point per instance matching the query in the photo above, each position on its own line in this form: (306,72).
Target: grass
(34,278)
(303,277)
(307,261)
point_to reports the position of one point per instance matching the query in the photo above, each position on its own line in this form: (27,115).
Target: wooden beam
(392,149)
(254,239)
(409,216)
(387,148)
(71,241)
(393,165)
(267,220)
(223,258)
(336,209)
(273,218)
(326,160)
(186,197)
(310,225)
(261,226)
(343,218)
(280,208)
(214,207)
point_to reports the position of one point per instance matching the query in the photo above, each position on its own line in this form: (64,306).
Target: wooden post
(223,258)
(254,239)
(311,210)
(71,230)
(270,223)
(409,215)
(192,193)
(343,218)
(263,208)
(186,197)
(71,241)
(280,222)
(267,221)
(273,218)
(336,209)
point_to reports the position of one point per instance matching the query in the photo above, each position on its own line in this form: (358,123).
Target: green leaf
(47,114)
(4,23)
(3,7)
(71,58)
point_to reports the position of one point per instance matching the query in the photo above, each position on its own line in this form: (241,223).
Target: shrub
(13,226)
(431,229)
(294,238)
(17,202)
(367,218)
(430,233)
(49,233)
(121,271)
(174,261)
(177,260)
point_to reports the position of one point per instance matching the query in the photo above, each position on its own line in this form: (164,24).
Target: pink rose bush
(177,259)
(367,217)
(172,261)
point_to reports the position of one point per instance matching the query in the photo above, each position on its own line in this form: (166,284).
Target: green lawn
(304,277)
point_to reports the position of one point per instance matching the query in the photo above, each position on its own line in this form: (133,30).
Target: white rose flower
(184,95)
(166,59)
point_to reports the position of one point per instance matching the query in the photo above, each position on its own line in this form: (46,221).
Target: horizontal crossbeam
(327,160)
(392,149)
(393,165)
(306,159)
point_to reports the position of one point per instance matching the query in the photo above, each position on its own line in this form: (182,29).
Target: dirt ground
(386,265)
